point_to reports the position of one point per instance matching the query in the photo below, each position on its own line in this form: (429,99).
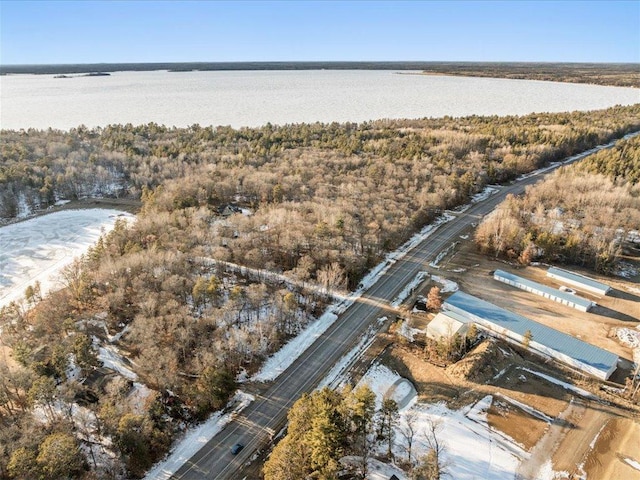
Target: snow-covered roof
(444,325)
(577,279)
(539,288)
(475,309)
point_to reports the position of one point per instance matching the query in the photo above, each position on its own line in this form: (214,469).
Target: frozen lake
(253,98)
(37,249)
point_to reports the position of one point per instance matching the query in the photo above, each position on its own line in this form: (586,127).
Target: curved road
(267,414)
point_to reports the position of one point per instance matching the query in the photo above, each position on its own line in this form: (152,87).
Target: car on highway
(236,448)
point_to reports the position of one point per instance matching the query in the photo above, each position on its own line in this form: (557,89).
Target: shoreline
(124,204)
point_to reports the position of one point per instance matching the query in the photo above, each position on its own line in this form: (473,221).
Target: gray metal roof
(568,297)
(577,278)
(553,339)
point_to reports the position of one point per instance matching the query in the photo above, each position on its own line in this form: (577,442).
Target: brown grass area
(534,391)
(619,439)
(6,357)
(516,423)
(431,382)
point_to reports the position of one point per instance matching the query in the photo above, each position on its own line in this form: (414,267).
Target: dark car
(236,448)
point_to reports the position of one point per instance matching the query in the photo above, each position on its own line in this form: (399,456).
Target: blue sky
(33,32)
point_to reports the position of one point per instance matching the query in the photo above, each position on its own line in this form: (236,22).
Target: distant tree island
(612,74)
(91,74)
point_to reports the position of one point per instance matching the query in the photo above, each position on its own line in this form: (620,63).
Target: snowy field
(37,249)
(472,449)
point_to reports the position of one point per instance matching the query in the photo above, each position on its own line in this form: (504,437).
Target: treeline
(583,214)
(615,74)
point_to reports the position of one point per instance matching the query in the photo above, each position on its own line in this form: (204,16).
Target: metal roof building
(580,281)
(559,296)
(544,340)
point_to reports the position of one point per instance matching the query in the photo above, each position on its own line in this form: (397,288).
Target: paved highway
(268,412)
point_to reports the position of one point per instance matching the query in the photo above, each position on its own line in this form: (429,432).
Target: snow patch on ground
(195,438)
(408,332)
(547,472)
(111,358)
(626,270)
(479,197)
(336,376)
(526,408)
(73,371)
(565,385)
(408,289)
(436,261)
(388,385)
(377,470)
(629,337)
(283,358)
(632,463)
(37,249)
(383,471)
(138,397)
(447,285)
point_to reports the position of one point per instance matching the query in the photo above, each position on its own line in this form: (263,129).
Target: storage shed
(543,340)
(445,326)
(559,296)
(579,281)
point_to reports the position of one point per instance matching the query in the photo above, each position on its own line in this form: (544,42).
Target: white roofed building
(445,326)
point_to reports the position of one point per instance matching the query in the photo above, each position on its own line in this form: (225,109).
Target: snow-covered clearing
(195,438)
(472,449)
(111,358)
(37,249)
(388,385)
(565,385)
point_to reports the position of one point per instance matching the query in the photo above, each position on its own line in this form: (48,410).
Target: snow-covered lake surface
(253,98)
(37,249)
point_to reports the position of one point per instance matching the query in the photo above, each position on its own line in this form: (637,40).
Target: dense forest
(584,214)
(307,208)
(617,74)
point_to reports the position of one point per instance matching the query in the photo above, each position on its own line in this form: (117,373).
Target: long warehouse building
(569,299)
(581,282)
(543,340)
